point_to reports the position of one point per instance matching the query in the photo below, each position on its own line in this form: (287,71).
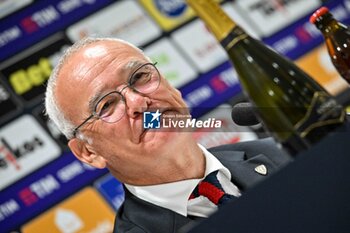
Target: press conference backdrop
(42,185)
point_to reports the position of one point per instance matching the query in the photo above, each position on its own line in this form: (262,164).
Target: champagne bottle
(337,38)
(293,107)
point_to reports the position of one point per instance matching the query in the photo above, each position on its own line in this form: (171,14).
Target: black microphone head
(243,114)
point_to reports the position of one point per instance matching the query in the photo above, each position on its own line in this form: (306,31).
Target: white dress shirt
(174,196)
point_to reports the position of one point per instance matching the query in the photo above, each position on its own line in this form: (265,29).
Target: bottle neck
(327,24)
(236,35)
(218,22)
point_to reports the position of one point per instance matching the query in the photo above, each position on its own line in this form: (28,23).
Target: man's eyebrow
(133,64)
(93,101)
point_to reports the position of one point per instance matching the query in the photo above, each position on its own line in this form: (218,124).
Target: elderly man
(97,95)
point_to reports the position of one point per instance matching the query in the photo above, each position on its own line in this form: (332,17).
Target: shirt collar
(174,196)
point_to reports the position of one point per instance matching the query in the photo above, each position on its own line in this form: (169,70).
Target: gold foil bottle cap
(214,17)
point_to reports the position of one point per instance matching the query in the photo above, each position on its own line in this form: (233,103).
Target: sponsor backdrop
(43,188)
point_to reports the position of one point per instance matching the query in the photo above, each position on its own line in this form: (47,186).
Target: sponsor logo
(236,15)
(199,95)
(8,208)
(40,19)
(124,19)
(11,155)
(169,14)
(36,74)
(39,190)
(269,16)
(172,8)
(268,7)
(171,62)
(75,215)
(209,88)
(200,46)
(10,34)
(27,74)
(24,147)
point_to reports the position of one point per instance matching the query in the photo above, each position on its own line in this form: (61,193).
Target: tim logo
(151,120)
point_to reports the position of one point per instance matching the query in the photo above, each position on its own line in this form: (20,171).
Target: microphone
(243,114)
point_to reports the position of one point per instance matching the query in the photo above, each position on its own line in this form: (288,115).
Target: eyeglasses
(111,107)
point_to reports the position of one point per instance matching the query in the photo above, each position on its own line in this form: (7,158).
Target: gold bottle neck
(214,17)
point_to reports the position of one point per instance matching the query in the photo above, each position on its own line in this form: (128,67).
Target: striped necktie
(211,188)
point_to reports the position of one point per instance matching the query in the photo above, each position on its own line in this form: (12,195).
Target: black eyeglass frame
(129,84)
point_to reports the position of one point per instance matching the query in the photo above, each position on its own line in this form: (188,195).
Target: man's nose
(136,103)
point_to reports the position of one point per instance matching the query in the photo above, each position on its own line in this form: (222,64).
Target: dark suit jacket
(138,216)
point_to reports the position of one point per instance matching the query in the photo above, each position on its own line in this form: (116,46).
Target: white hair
(53,110)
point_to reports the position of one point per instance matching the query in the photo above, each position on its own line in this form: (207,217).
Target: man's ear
(84,153)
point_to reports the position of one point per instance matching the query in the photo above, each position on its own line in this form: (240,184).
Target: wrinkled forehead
(95,51)
(104,47)
(101,56)
(112,49)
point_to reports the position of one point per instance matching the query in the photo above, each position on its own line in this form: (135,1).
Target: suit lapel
(154,219)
